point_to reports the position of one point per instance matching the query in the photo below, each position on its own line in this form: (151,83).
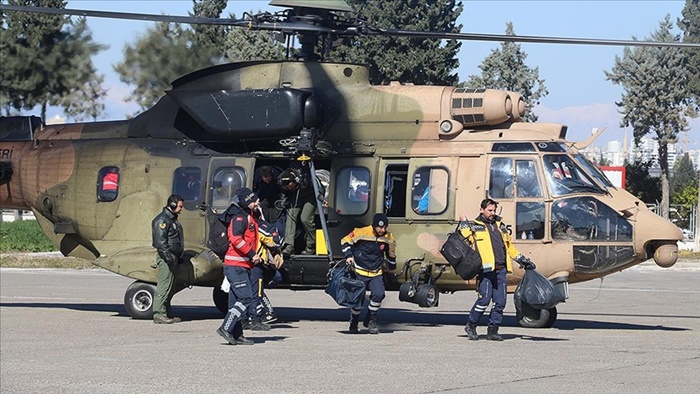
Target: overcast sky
(579,95)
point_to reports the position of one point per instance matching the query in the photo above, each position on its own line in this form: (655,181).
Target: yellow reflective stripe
(368,273)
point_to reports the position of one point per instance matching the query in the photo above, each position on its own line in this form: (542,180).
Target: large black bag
(465,260)
(537,292)
(344,287)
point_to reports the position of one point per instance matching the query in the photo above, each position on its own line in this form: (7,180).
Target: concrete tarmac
(67,331)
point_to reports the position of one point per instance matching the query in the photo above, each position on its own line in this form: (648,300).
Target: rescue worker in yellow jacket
(365,249)
(494,245)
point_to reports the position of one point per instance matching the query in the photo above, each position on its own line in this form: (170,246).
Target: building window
(108,184)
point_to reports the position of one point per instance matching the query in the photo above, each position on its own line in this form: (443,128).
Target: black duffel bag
(344,286)
(464,260)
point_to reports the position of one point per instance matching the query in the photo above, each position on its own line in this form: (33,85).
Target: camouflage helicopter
(383,149)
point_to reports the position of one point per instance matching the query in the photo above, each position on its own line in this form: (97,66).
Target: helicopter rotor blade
(275,22)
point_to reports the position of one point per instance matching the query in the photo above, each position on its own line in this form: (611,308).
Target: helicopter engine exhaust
(483,107)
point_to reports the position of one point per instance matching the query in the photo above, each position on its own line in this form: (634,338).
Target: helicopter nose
(666,255)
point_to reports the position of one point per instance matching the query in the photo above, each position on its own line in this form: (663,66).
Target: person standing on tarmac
(240,258)
(365,249)
(169,243)
(494,245)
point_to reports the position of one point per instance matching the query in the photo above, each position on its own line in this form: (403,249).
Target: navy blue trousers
(492,286)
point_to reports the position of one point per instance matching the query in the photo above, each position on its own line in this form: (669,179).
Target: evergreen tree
(245,45)
(45,58)
(656,99)
(640,184)
(690,23)
(505,69)
(684,188)
(168,51)
(413,60)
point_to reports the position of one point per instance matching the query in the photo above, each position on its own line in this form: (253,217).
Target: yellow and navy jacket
(369,250)
(476,231)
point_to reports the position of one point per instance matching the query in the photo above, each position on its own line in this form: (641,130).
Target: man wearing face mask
(494,244)
(168,241)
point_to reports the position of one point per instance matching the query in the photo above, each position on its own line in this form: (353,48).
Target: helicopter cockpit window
(587,219)
(187,182)
(352,191)
(501,178)
(593,171)
(429,190)
(108,184)
(526,179)
(566,177)
(224,183)
(512,147)
(529,220)
(552,147)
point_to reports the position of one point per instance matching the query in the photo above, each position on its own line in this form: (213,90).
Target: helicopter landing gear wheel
(407,291)
(220,298)
(428,295)
(536,318)
(138,300)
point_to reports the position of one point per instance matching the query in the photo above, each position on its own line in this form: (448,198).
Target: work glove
(168,257)
(524,262)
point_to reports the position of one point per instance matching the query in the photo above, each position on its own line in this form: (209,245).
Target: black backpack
(218,236)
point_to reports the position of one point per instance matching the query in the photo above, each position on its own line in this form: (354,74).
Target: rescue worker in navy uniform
(496,249)
(365,249)
(240,258)
(169,243)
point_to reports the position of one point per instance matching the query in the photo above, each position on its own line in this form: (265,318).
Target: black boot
(471,331)
(373,329)
(492,334)
(354,320)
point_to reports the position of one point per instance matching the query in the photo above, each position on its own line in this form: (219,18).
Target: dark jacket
(369,250)
(167,236)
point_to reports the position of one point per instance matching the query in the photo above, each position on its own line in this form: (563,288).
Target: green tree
(639,183)
(245,45)
(690,24)
(505,69)
(168,51)
(414,60)
(656,99)
(684,174)
(45,58)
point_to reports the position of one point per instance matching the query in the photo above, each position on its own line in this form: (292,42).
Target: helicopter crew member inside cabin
(365,249)
(240,258)
(296,187)
(169,242)
(496,249)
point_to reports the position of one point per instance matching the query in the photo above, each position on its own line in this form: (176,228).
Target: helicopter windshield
(593,170)
(564,176)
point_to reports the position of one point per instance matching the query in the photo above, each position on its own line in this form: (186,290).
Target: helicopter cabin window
(108,184)
(529,220)
(512,147)
(187,182)
(501,178)
(395,190)
(352,191)
(224,183)
(429,190)
(527,184)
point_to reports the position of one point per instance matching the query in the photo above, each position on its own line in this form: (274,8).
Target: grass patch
(23,236)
